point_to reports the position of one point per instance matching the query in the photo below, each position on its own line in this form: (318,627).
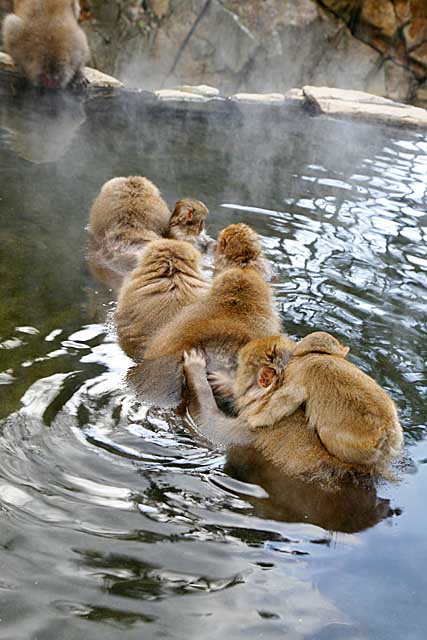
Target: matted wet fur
(353,416)
(127,214)
(286,441)
(167,278)
(237,309)
(46,43)
(239,246)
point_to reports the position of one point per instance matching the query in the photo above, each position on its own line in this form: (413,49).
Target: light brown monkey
(286,441)
(237,309)
(239,246)
(46,43)
(188,221)
(354,417)
(166,279)
(126,215)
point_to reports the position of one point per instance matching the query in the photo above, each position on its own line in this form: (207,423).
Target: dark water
(114,520)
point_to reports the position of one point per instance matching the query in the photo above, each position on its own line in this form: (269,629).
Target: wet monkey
(46,43)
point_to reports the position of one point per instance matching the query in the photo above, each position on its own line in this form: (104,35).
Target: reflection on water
(114,517)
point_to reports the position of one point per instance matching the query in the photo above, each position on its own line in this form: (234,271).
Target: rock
(398,82)
(259,98)
(364,106)
(159,7)
(96,78)
(380,15)
(201,89)
(420,55)
(415,33)
(179,96)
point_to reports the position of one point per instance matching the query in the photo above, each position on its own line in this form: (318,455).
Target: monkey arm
(212,423)
(283,402)
(222,383)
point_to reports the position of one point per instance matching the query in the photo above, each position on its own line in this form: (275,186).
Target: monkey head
(320,342)
(238,246)
(188,219)
(262,363)
(166,257)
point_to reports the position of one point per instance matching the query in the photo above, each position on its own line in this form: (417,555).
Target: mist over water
(115,518)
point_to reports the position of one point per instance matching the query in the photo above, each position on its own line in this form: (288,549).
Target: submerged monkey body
(237,308)
(128,213)
(353,416)
(166,279)
(283,433)
(45,41)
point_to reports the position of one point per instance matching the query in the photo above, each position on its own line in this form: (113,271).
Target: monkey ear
(265,376)
(189,214)
(344,351)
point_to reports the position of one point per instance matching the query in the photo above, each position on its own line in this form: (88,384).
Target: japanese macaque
(353,416)
(287,441)
(46,43)
(237,309)
(166,279)
(188,223)
(126,215)
(239,246)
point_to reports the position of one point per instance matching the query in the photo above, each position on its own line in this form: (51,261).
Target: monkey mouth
(49,82)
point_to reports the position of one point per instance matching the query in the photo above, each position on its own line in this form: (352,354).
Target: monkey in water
(287,441)
(167,278)
(126,215)
(46,43)
(353,416)
(237,308)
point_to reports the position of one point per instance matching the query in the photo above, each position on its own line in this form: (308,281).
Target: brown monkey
(46,43)
(126,215)
(286,441)
(166,279)
(237,309)
(354,417)
(239,246)
(188,223)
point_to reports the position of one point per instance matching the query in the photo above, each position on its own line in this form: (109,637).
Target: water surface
(115,520)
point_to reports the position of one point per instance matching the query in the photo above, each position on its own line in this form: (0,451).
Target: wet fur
(166,279)
(353,416)
(45,41)
(287,441)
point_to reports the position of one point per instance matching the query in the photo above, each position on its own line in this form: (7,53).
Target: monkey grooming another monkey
(166,279)
(353,416)
(237,309)
(126,215)
(46,43)
(287,441)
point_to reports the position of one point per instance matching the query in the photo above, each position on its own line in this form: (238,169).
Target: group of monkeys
(307,409)
(302,405)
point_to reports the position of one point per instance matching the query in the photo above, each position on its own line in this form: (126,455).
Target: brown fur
(287,441)
(126,215)
(188,223)
(236,310)
(239,246)
(45,41)
(353,416)
(166,279)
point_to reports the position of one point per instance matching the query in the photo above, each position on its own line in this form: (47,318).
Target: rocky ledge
(331,102)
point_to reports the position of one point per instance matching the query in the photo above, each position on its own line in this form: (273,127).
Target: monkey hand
(194,360)
(221,383)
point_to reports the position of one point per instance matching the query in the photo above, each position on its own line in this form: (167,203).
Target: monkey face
(262,364)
